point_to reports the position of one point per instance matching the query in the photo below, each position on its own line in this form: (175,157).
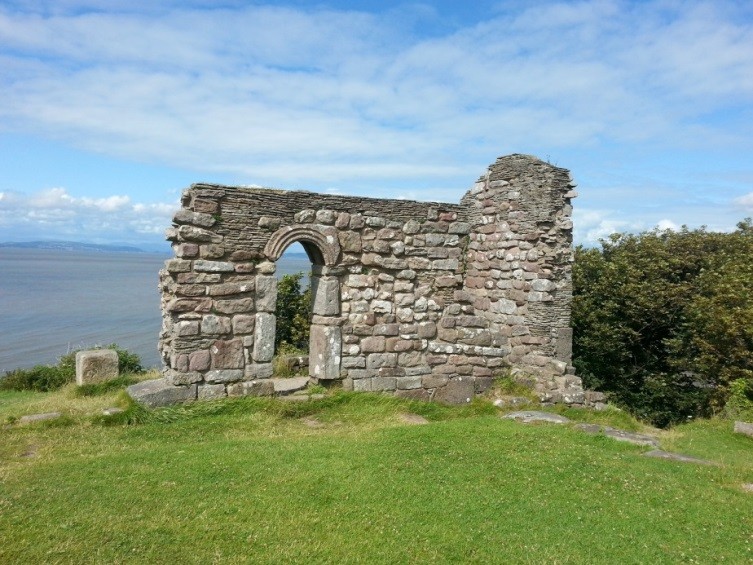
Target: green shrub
(280,365)
(740,403)
(40,378)
(663,320)
(293,313)
(45,378)
(665,399)
(128,363)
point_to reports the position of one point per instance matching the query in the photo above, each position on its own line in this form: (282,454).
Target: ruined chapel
(426,300)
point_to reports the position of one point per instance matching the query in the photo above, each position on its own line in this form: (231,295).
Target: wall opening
(292,312)
(313,280)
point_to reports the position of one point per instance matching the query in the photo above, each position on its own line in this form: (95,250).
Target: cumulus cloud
(55,214)
(342,99)
(348,94)
(591,226)
(667,225)
(746,201)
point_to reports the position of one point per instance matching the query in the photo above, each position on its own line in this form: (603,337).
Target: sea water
(54,301)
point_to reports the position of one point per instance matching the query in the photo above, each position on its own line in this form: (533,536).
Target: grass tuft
(610,416)
(106,387)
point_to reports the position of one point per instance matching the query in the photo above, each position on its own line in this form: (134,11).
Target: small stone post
(96,366)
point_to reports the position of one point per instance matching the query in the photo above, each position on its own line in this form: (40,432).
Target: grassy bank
(345,479)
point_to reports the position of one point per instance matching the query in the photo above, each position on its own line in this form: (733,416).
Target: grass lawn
(345,479)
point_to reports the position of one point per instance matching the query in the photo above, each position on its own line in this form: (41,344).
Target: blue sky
(110,107)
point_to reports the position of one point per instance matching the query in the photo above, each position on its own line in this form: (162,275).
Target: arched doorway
(325,340)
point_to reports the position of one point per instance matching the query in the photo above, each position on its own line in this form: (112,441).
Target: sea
(56,301)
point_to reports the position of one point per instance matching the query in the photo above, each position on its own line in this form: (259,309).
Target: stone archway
(320,243)
(322,247)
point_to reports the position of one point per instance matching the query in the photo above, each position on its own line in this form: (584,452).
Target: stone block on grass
(251,388)
(96,366)
(459,390)
(32,418)
(157,392)
(745,428)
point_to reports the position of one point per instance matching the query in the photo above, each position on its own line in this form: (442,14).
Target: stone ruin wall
(429,300)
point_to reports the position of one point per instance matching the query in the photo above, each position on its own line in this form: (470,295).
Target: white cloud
(667,225)
(54,213)
(109,204)
(51,198)
(746,201)
(320,94)
(590,226)
(344,100)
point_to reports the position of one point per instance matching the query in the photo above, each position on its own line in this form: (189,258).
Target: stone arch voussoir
(324,239)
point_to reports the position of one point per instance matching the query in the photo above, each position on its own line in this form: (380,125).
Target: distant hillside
(103,248)
(72,246)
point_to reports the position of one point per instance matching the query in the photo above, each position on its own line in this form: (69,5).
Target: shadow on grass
(337,403)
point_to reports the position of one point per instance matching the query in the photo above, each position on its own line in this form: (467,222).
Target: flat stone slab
(528,416)
(294,398)
(299,397)
(287,386)
(312,422)
(413,419)
(96,366)
(745,428)
(619,435)
(659,454)
(112,411)
(31,418)
(512,401)
(157,392)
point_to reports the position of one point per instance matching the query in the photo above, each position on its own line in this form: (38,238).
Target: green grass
(251,480)
(71,400)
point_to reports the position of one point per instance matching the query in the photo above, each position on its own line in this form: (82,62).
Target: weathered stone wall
(426,299)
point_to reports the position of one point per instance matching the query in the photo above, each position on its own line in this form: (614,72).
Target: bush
(663,320)
(293,313)
(740,403)
(128,363)
(44,378)
(281,365)
(40,378)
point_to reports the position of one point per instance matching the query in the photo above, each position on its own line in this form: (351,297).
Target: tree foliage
(293,313)
(663,320)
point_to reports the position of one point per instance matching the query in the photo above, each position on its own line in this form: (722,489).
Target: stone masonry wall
(426,299)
